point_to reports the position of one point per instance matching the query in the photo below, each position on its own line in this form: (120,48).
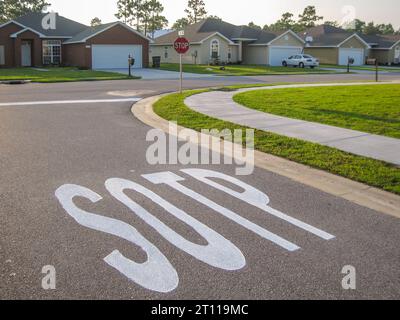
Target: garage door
(357,54)
(115,56)
(277,54)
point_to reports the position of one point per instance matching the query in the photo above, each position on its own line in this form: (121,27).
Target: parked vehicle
(301,61)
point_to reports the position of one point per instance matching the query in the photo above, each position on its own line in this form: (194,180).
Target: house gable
(118,34)
(7,42)
(288,38)
(354,42)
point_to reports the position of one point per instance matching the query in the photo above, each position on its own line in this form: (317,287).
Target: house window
(166,53)
(2,56)
(51,52)
(215,49)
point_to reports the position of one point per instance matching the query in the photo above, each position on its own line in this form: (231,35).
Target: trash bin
(156,62)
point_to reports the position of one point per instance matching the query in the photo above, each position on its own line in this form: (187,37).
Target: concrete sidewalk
(220,105)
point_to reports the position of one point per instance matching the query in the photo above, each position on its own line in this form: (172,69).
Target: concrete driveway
(155,74)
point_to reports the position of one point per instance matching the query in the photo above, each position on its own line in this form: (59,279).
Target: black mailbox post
(374,62)
(350,61)
(131,62)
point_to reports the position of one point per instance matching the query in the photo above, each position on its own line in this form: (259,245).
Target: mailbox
(351,60)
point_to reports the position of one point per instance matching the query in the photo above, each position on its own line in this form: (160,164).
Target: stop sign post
(181,46)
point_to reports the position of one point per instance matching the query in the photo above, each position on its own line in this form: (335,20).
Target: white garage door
(115,56)
(277,54)
(356,54)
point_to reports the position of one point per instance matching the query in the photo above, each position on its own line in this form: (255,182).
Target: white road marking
(156,274)
(172,180)
(251,196)
(219,252)
(35,103)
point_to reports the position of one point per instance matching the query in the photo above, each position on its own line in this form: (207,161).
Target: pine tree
(309,18)
(95,22)
(124,11)
(11,9)
(152,18)
(195,11)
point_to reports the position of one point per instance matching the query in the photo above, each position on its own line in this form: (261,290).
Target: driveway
(80,145)
(155,74)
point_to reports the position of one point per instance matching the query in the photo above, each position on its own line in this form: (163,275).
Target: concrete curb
(361,194)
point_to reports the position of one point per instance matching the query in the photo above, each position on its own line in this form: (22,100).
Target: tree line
(309,18)
(147,16)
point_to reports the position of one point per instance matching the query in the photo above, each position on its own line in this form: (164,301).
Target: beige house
(213,40)
(333,45)
(384,48)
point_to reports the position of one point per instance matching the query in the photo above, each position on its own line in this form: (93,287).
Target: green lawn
(240,70)
(372,172)
(368,68)
(367,108)
(54,74)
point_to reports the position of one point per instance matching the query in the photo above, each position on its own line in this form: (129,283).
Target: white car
(301,61)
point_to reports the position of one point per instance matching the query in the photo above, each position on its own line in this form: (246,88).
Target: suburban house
(384,48)
(26,41)
(213,39)
(335,45)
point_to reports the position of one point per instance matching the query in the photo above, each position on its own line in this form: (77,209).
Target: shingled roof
(197,32)
(325,35)
(64,27)
(381,41)
(90,31)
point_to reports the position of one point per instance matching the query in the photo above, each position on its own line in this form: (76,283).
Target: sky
(237,12)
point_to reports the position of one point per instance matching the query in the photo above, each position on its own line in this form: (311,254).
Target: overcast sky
(242,12)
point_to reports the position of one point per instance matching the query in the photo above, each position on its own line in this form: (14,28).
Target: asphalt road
(44,147)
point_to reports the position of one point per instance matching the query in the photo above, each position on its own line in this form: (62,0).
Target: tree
(152,18)
(124,11)
(371,29)
(95,22)
(254,26)
(180,24)
(131,12)
(309,18)
(332,23)
(11,9)
(386,28)
(138,12)
(195,11)
(284,23)
(356,26)
(159,22)
(214,17)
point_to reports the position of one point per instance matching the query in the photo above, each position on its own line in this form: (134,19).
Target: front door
(26,54)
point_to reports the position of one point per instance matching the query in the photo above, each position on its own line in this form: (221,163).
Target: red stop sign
(181,45)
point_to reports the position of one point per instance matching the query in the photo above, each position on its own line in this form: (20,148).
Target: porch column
(240,53)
